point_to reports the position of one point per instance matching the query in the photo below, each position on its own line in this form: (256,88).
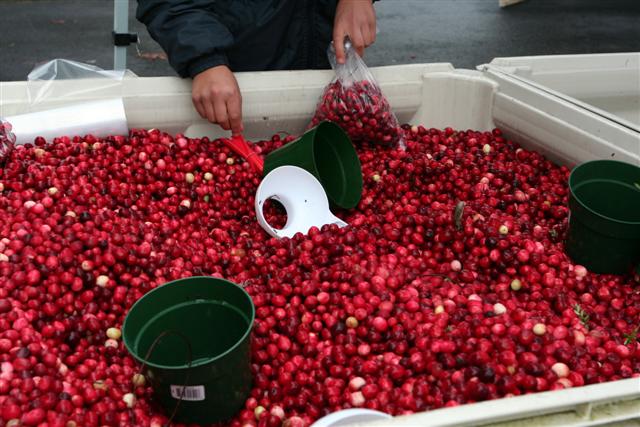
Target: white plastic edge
(592,405)
(343,418)
(436,95)
(605,84)
(554,63)
(562,130)
(272,101)
(100,118)
(570,99)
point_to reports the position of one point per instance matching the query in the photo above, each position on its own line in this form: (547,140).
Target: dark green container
(215,316)
(327,153)
(604,226)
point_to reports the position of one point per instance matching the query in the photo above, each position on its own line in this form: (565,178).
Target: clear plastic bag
(7,140)
(68,98)
(355,102)
(62,80)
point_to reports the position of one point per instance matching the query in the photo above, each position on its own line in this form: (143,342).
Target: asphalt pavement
(464,32)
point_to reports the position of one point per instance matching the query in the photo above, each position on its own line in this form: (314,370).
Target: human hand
(216,96)
(356,19)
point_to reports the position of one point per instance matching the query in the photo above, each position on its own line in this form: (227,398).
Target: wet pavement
(464,32)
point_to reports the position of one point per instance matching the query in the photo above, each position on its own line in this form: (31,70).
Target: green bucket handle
(186,379)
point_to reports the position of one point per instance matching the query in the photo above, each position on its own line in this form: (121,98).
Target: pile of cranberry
(7,139)
(450,285)
(361,110)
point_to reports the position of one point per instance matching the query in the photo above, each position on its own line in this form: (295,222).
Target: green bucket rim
(573,186)
(352,198)
(200,362)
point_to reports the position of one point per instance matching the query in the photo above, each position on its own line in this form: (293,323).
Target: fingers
(356,19)
(222,118)
(368,38)
(197,103)
(372,27)
(209,110)
(234,109)
(219,101)
(338,43)
(357,39)
(204,107)
(225,111)
(369,33)
(216,97)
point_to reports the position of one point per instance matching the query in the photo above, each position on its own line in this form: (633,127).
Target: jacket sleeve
(188,31)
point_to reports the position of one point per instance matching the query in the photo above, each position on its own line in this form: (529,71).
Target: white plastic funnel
(351,416)
(303,198)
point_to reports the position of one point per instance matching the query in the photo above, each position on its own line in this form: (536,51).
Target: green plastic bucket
(604,225)
(200,328)
(327,153)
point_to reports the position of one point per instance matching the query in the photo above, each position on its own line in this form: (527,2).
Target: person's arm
(195,42)
(356,19)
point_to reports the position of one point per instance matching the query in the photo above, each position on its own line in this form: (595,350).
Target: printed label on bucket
(191,393)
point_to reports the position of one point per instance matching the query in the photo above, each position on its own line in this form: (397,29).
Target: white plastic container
(561,88)
(616,403)
(350,417)
(435,95)
(100,118)
(432,94)
(301,196)
(606,84)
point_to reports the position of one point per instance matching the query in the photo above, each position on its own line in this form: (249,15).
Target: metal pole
(120,26)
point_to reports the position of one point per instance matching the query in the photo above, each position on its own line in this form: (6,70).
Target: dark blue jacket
(246,35)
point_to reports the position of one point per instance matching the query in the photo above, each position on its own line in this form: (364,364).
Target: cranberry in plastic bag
(7,140)
(354,101)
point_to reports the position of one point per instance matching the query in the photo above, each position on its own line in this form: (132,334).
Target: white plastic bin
(435,95)
(432,94)
(561,87)
(616,403)
(607,84)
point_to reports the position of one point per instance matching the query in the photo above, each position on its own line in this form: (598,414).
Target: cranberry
(449,285)
(361,110)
